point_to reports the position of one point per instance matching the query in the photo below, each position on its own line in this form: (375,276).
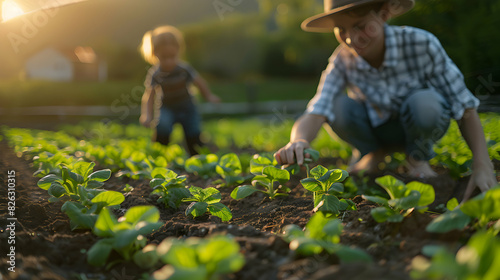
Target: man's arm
(304,131)
(482,167)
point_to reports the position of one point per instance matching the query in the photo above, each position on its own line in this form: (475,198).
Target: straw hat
(324,23)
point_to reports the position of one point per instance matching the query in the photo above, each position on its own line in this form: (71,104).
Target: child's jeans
(184,113)
(421,121)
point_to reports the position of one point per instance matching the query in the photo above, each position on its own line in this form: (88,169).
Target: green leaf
(46,181)
(351,255)
(313,153)
(382,214)
(229,164)
(337,175)
(331,204)
(243,191)
(318,171)
(156,182)
(109,198)
(146,259)
(99,252)
(314,228)
(171,272)
(211,195)
(105,224)
(394,187)
(177,253)
(427,194)
(258,162)
(56,189)
(78,219)
(333,228)
(376,199)
(305,246)
(411,200)
(452,204)
(138,214)
(220,210)
(311,184)
(291,232)
(336,187)
(197,209)
(163,173)
(100,175)
(276,174)
(92,184)
(448,221)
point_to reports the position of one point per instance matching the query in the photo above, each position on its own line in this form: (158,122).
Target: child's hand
(146,120)
(212,98)
(483,176)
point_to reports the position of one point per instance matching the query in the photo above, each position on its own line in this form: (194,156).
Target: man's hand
(293,150)
(483,177)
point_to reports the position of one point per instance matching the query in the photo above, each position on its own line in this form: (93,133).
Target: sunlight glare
(10,10)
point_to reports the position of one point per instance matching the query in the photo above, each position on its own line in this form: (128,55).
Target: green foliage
(202,165)
(196,258)
(125,235)
(76,182)
(403,199)
(84,215)
(479,259)
(229,168)
(169,186)
(326,185)
(481,210)
(207,200)
(268,178)
(322,233)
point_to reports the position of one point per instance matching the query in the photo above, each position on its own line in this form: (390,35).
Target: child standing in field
(170,78)
(402,90)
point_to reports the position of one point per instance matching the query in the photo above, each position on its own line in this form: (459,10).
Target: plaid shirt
(414,59)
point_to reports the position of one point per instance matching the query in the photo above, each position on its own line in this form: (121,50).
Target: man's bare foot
(368,163)
(419,168)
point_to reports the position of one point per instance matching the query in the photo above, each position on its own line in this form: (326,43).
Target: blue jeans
(186,114)
(421,121)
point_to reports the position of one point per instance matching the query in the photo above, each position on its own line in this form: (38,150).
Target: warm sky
(123,21)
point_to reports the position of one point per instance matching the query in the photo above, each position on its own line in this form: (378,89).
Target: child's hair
(166,35)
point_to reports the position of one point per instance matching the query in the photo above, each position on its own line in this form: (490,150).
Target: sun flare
(10,9)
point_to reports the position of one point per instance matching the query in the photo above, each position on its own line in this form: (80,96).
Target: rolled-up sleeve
(331,84)
(447,79)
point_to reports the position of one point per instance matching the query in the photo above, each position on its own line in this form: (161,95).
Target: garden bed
(46,248)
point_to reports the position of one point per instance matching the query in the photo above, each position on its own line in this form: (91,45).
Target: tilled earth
(46,248)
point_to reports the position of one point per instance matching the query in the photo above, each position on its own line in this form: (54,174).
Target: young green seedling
(481,210)
(326,185)
(124,235)
(272,179)
(196,258)
(404,199)
(171,187)
(207,200)
(322,233)
(478,259)
(84,216)
(202,165)
(76,182)
(229,168)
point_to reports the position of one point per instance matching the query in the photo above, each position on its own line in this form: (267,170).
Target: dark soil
(46,248)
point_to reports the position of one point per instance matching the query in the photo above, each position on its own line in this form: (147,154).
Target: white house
(79,64)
